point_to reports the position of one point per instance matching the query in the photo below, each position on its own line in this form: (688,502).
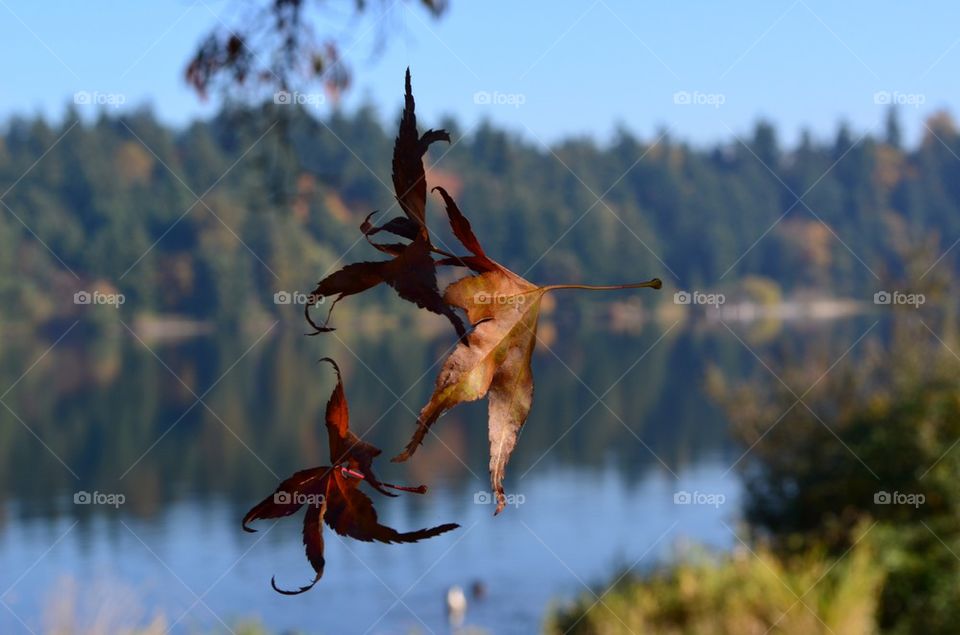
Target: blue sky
(552,69)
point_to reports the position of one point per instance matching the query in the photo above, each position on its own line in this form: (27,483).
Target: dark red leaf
(331,493)
(289,496)
(412,272)
(313,544)
(399,225)
(345,446)
(350,512)
(409,180)
(464,233)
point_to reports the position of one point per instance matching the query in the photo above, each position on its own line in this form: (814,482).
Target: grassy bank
(746,593)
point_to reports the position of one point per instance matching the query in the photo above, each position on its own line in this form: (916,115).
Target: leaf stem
(441,252)
(655,283)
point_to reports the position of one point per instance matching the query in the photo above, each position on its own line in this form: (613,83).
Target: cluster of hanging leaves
(275,43)
(412,270)
(492,359)
(331,493)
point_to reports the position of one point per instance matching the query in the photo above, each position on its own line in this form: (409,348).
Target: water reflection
(597,477)
(125,418)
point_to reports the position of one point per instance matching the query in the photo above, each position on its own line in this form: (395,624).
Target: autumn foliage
(331,493)
(491,359)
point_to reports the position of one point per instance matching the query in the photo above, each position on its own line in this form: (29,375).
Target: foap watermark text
(898,498)
(296,297)
(487,498)
(96,297)
(696,497)
(297,498)
(496,98)
(289,98)
(899,298)
(699,297)
(499,298)
(96,98)
(98,498)
(897,98)
(696,98)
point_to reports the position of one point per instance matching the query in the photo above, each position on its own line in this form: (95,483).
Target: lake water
(595,481)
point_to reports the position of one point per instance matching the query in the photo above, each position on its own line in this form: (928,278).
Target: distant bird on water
(456,606)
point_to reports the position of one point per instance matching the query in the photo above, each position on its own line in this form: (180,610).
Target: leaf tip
(330,361)
(501,502)
(366,225)
(303,589)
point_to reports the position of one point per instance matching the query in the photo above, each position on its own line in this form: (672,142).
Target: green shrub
(746,593)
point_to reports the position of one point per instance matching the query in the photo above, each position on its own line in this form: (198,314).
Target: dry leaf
(412,272)
(494,361)
(331,493)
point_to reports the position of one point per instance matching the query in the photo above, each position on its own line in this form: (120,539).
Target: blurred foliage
(100,404)
(277,43)
(747,593)
(115,202)
(850,465)
(872,439)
